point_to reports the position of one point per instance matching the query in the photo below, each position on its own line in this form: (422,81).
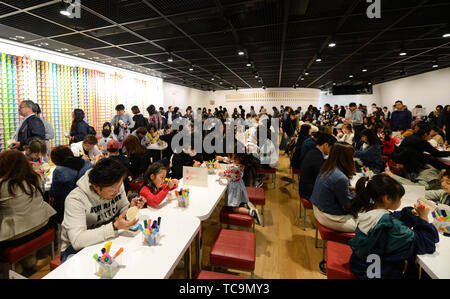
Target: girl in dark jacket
(392,239)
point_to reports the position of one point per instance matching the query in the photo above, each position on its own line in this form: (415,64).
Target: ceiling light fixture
(446,35)
(351,76)
(318,59)
(64,10)
(249,64)
(191,68)
(364,69)
(170,58)
(241,52)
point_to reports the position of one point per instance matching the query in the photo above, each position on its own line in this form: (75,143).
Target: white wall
(429,90)
(182,97)
(268,98)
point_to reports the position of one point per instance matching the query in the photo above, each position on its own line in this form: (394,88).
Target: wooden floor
(283,248)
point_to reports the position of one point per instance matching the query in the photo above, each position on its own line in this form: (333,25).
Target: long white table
(436,264)
(139,261)
(202,200)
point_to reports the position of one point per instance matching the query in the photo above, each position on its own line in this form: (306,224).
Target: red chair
(294,171)
(307,205)
(328,234)
(272,171)
(55,263)
(135,186)
(234,249)
(229,217)
(14,254)
(338,261)
(258,198)
(216,275)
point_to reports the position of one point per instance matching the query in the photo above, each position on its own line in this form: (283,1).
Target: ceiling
(281,38)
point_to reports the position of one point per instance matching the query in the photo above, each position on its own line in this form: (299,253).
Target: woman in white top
(347,134)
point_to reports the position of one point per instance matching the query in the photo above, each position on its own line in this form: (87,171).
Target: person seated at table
(395,237)
(264,152)
(138,155)
(405,132)
(305,132)
(237,197)
(155,188)
(153,134)
(167,137)
(141,134)
(113,148)
(102,142)
(347,134)
(87,149)
(97,208)
(441,196)
(437,136)
(370,154)
(331,193)
(414,171)
(187,157)
(388,142)
(313,162)
(419,143)
(69,169)
(35,152)
(24,215)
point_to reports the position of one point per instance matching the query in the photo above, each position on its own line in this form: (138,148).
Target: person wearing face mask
(96,209)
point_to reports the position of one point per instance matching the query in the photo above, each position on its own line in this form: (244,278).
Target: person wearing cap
(69,169)
(113,149)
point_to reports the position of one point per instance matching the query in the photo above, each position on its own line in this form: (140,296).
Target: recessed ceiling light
(334,83)
(318,59)
(191,68)
(170,58)
(64,13)
(220,82)
(364,70)
(302,78)
(435,65)
(212,79)
(332,44)
(350,76)
(307,74)
(446,35)
(13,38)
(241,52)
(370,83)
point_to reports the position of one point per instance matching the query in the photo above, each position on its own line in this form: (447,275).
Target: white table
(158,147)
(202,200)
(139,261)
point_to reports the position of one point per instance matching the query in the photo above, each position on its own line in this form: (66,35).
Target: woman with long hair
(24,215)
(79,128)
(331,194)
(138,156)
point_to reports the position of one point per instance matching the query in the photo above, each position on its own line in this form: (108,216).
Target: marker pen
(159,221)
(118,252)
(145,223)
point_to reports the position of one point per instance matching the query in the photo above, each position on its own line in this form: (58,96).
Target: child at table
(153,134)
(237,197)
(155,190)
(35,153)
(442,196)
(395,237)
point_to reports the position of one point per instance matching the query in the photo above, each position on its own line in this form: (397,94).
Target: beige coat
(21,214)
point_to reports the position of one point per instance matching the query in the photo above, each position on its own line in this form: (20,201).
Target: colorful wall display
(59,89)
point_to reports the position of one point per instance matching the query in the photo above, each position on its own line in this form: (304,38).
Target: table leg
(187,264)
(198,255)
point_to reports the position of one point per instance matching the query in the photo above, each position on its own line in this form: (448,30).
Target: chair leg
(300,212)
(304,219)
(317,238)
(263,215)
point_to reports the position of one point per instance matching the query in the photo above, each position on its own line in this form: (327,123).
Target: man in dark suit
(30,128)
(312,163)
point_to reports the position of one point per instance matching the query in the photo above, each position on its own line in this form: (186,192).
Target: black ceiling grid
(137,35)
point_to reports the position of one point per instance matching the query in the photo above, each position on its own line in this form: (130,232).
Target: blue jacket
(395,238)
(64,181)
(80,132)
(371,157)
(331,194)
(307,145)
(401,120)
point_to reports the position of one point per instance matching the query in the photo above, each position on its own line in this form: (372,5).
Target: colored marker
(145,223)
(103,250)
(108,246)
(118,252)
(140,228)
(159,221)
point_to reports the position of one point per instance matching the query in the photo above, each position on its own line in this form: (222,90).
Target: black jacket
(180,160)
(139,163)
(32,128)
(309,171)
(80,132)
(139,121)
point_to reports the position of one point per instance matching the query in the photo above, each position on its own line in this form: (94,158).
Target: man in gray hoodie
(97,208)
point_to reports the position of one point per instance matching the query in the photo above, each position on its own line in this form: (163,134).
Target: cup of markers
(367,173)
(107,264)
(150,232)
(211,167)
(182,197)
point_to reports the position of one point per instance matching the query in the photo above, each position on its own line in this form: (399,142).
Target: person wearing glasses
(31,126)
